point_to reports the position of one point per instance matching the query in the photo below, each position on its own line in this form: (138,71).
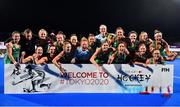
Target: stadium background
(83,17)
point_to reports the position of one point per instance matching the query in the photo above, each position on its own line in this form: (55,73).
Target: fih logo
(165,69)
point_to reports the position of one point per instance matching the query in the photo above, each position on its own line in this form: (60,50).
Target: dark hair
(84,39)
(73,34)
(140,35)
(52,45)
(122,43)
(154,50)
(61,33)
(90,35)
(27,31)
(37,47)
(157,31)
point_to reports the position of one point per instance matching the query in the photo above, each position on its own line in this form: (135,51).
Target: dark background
(84,17)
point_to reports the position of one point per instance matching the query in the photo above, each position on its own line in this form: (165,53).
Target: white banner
(85,78)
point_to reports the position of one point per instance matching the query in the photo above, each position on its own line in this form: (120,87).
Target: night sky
(84,17)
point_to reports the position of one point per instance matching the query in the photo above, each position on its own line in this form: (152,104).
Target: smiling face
(16,37)
(105,46)
(59,37)
(91,40)
(142,49)
(156,54)
(158,37)
(133,37)
(39,51)
(42,34)
(119,33)
(143,36)
(67,47)
(103,29)
(121,47)
(52,49)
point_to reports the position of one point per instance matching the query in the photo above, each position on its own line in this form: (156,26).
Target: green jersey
(15,54)
(161,49)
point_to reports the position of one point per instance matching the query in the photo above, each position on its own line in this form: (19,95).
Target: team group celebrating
(104,48)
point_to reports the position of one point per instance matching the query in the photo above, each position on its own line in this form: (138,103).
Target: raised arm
(55,61)
(93,57)
(25,60)
(41,61)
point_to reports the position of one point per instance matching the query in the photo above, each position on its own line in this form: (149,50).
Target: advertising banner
(85,78)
